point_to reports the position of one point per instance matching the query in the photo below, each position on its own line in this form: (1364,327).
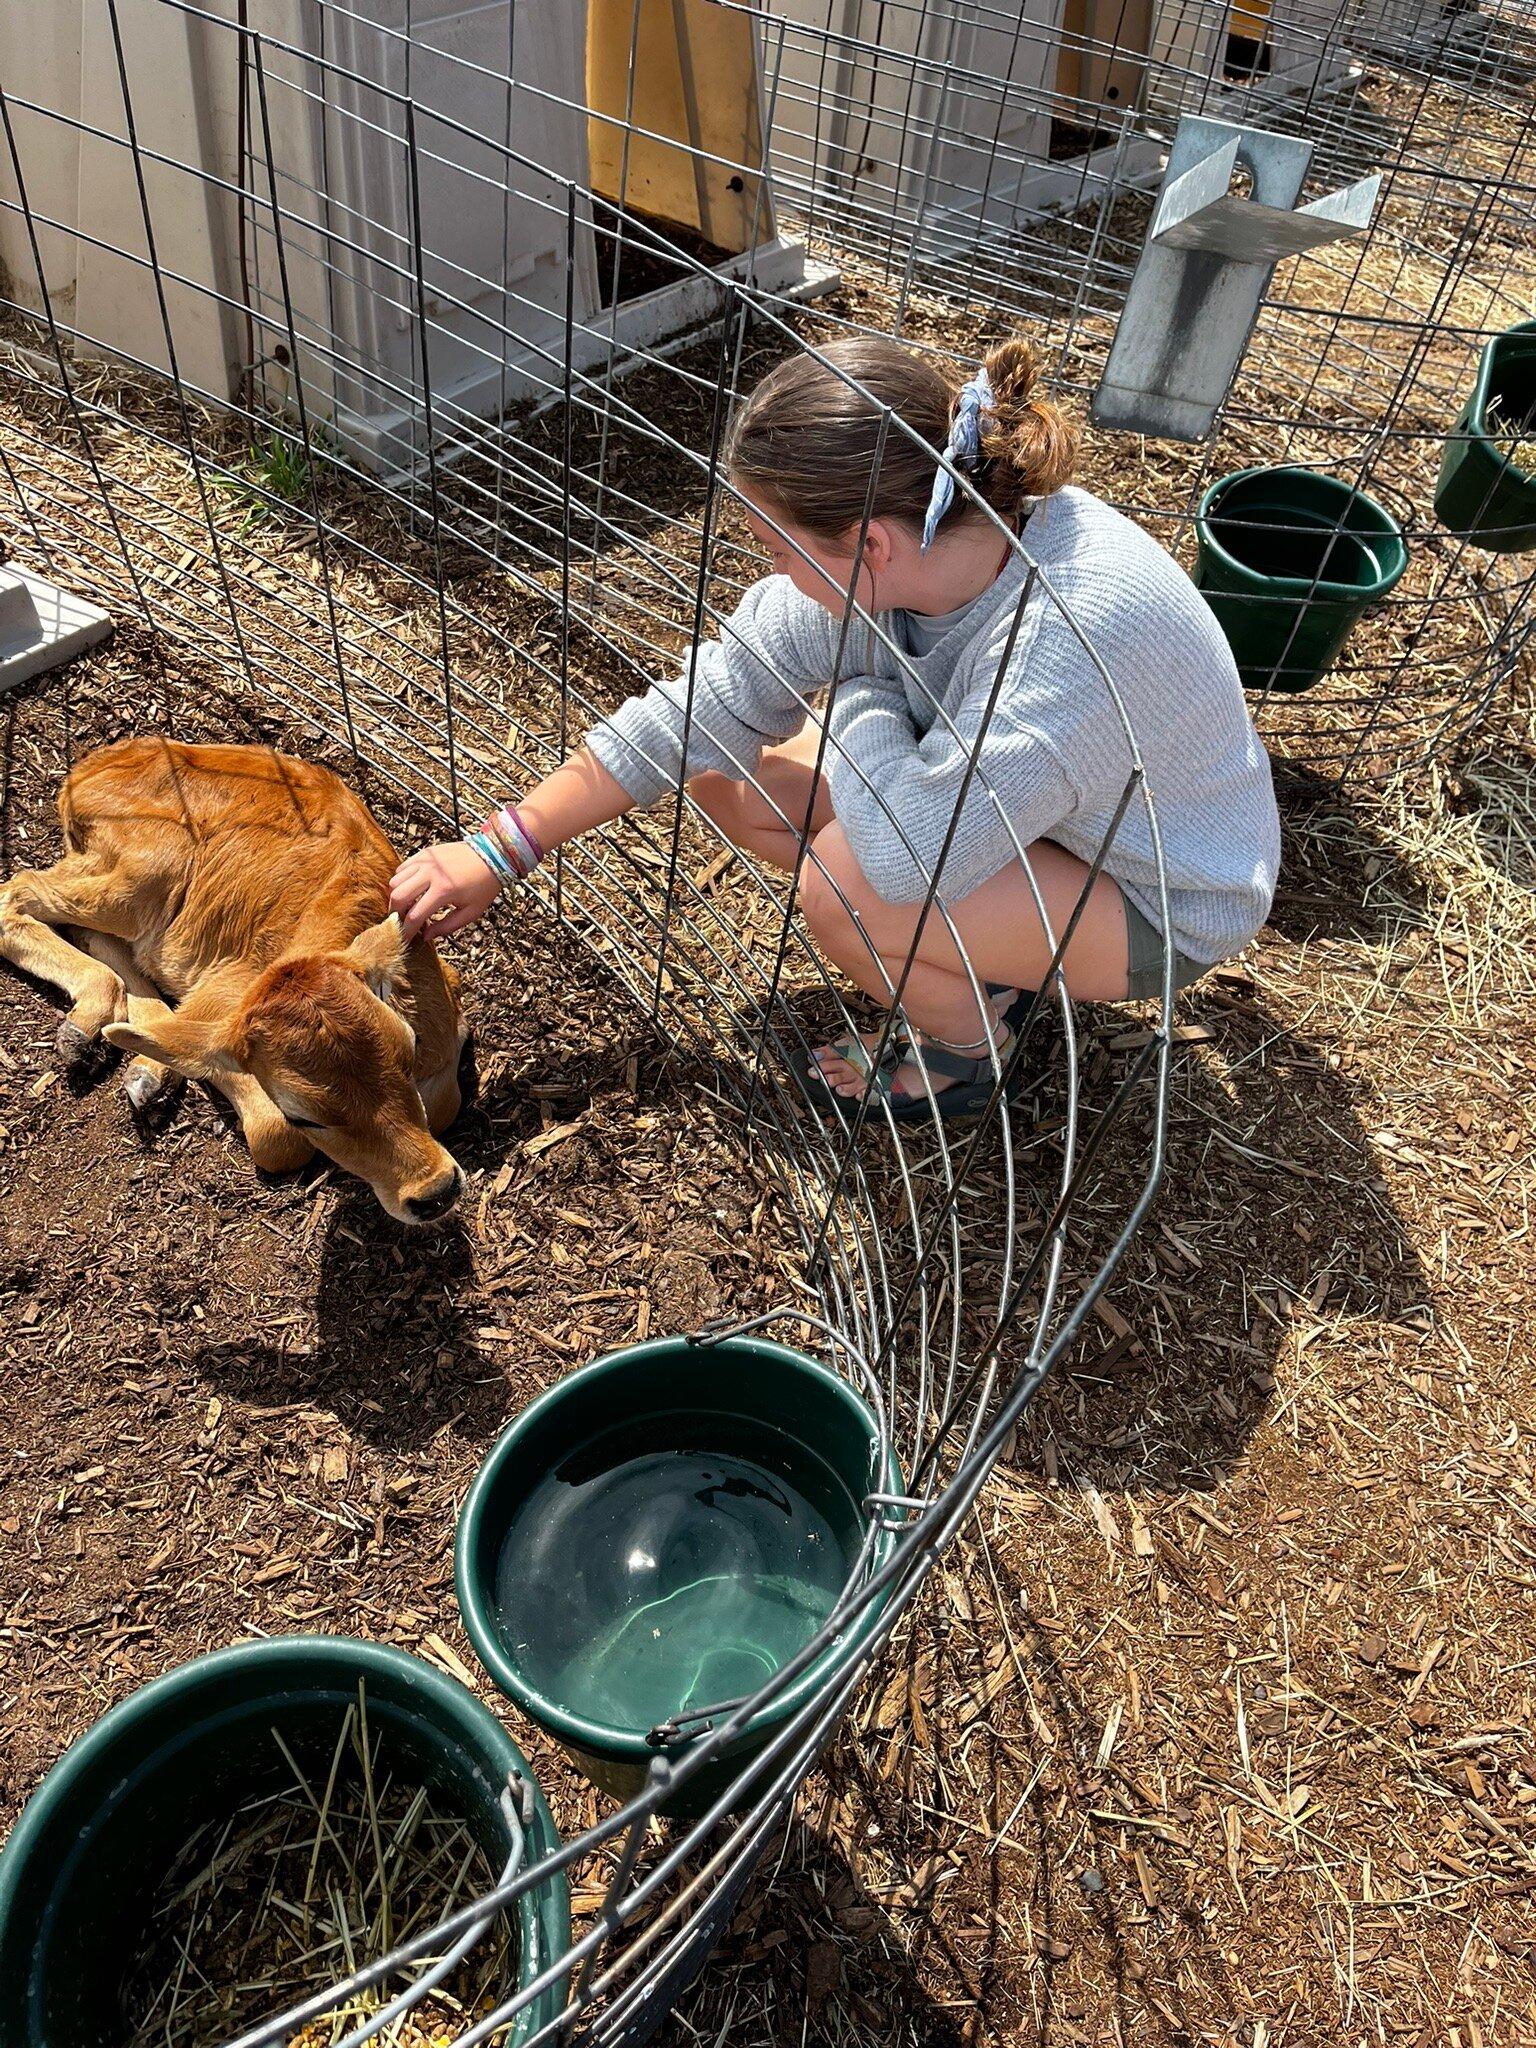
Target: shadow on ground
(394,1355)
(817,1957)
(1272,1211)
(1496,787)
(1341,877)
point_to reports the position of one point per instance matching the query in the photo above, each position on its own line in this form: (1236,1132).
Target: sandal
(973,1079)
(880,1081)
(1016,1011)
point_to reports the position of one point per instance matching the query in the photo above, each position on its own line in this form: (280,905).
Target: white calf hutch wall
(519,111)
(969,115)
(703,118)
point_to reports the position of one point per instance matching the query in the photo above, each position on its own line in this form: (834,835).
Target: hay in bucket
(299,1887)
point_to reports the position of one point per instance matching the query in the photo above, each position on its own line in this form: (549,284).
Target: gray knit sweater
(1053,760)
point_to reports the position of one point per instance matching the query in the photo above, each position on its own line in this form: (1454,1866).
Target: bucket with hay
(1487,488)
(249,1830)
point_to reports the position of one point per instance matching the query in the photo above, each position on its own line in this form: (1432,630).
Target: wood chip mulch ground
(231,1408)
(1219,1723)
(1218,1726)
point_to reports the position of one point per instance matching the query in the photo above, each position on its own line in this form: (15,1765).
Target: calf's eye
(302,1123)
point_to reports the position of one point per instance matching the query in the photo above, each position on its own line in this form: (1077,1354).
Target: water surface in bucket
(665,1565)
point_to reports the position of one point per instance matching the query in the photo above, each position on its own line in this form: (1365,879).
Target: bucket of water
(658,1535)
(251,1787)
(1288,561)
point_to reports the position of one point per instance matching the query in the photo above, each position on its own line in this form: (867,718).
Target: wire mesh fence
(1000,163)
(382,361)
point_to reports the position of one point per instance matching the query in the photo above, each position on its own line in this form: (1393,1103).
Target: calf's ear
(378,956)
(196,1046)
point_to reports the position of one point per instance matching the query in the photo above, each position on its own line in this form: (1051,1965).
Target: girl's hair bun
(1031,445)
(805,442)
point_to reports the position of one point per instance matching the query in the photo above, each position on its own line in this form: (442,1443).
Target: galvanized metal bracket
(1204,269)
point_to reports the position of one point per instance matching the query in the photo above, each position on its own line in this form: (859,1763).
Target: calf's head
(323,1036)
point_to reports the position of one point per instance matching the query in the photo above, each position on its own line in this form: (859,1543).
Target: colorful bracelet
(491,852)
(512,850)
(515,835)
(506,845)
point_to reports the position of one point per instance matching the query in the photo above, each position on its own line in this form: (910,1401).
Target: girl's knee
(831,884)
(716,795)
(736,807)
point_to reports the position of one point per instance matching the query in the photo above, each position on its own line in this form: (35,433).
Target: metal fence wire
(380,358)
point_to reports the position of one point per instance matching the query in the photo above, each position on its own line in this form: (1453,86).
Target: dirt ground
(1219,1724)
(232,1407)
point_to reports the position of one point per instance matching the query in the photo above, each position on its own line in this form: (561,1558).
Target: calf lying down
(248,890)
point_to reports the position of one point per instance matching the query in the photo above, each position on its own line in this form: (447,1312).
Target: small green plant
(275,480)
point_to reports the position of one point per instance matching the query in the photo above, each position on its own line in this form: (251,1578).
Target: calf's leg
(442,1098)
(275,1146)
(144,1079)
(74,891)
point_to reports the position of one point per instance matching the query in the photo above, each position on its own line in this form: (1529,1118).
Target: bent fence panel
(375,383)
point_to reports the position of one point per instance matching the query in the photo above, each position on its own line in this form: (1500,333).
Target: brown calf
(251,889)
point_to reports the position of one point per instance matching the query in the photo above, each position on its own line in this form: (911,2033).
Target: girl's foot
(846,1065)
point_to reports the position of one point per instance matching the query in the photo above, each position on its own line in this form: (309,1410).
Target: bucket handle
(721,1327)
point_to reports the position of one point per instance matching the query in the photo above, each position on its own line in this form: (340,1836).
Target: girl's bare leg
(869,939)
(998,925)
(755,818)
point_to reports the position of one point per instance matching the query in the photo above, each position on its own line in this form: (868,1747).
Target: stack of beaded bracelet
(506,845)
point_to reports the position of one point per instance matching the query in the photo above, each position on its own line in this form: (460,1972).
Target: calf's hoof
(145,1085)
(77,1050)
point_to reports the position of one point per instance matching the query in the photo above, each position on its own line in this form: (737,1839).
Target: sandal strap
(957,1066)
(857,1054)
(881,1086)
(879,1081)
(905,1048)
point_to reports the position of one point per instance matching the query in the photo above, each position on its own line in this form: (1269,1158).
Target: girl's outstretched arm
(746,689)
(448,886)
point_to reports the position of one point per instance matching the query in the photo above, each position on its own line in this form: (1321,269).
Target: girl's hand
(450,883)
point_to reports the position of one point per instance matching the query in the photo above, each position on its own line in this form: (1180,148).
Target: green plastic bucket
(81,1867)
(659,1533)
(1482,495)
(1288,561)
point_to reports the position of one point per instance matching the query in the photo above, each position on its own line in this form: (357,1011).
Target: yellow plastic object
(695,78)
(1250,18)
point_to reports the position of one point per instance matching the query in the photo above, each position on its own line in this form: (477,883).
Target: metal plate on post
(1202,276)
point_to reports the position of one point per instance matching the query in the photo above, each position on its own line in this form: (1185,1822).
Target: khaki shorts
(1144,950)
